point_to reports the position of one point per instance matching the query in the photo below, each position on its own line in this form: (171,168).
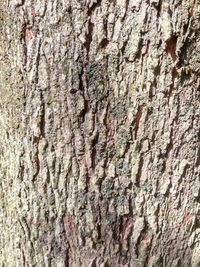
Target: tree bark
(100,131)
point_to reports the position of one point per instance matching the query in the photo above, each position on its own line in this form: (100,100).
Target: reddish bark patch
(193,9)
(111,132)
(125,222)
(146,238)
(69,224)
(186,218)
(28,35)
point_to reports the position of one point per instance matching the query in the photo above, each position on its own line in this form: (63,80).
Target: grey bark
(100,129)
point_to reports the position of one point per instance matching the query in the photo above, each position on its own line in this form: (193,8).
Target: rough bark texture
(100,129)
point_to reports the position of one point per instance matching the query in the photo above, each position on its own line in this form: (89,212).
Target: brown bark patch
(137,120)
(171,47)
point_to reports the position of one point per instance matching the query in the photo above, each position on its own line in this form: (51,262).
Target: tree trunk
(99,133)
